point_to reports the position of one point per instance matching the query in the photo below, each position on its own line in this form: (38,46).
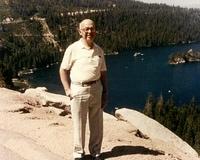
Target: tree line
(129,24)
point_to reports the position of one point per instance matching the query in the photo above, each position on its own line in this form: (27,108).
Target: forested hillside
(182,120)
(35,33)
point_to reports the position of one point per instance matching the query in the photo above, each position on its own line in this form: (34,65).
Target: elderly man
(83,75)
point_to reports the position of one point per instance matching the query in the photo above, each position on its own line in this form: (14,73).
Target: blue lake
(132,78)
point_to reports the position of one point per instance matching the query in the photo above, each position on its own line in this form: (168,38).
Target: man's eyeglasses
(87,29)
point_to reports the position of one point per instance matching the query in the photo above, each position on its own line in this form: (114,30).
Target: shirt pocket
(83,62)
(96,61)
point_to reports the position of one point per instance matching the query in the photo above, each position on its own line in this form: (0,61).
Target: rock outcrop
(189,56)
(48,99)
(155,130)
(48,37)
(11,141)
(31,128)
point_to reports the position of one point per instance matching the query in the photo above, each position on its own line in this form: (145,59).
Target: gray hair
(82,23)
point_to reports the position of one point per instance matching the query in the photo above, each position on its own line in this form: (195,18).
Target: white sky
(181,3)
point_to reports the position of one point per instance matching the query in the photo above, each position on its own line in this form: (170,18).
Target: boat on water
(138,54)
(25,72)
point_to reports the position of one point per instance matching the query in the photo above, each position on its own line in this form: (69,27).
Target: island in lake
(185,57)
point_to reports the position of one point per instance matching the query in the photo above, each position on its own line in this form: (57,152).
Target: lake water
(132,78)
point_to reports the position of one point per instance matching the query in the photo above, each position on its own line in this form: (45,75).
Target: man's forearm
(104,82)
(65,78)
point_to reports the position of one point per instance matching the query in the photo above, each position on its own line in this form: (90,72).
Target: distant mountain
(183,3)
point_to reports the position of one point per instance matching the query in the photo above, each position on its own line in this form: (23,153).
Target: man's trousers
(86,101)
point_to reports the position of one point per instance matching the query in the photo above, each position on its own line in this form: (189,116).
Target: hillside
(4,9)
(34,34)
(33,120)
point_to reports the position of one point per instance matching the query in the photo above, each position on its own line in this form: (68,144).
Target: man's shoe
(97,158)
(78,158)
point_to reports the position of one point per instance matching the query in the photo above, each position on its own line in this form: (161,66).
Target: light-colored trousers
(87,101)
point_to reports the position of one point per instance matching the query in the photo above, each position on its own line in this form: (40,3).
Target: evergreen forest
(183,120)
(121,24)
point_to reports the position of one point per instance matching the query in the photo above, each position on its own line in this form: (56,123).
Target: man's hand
(65,79)
(104,99)
(104,83)
(68,93)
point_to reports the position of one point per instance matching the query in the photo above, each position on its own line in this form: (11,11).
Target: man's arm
(104,82)
(65,79)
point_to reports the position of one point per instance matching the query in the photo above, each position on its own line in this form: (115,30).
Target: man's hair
(82,23)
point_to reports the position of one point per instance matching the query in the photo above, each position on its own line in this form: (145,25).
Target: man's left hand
(104,100)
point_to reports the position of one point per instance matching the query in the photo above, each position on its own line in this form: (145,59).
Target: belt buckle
(84,84)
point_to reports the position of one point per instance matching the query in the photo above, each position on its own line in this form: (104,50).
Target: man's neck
(87,43)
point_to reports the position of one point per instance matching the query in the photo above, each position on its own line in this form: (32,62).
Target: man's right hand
(68,93)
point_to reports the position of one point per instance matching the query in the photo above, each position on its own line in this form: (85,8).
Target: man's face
(87,31)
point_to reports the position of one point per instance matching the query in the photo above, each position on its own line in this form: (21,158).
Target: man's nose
(89,30)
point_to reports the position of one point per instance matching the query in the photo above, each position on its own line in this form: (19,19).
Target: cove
(131,78)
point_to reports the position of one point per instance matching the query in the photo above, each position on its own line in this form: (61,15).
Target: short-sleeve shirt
(85,64)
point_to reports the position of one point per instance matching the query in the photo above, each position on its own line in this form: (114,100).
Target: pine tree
(159,109)
(149,106)
(2,81)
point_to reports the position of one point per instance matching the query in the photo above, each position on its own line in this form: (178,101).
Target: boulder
(154,130)
(189,56)
(45,98)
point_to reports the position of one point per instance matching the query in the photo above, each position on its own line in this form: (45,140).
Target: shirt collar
(85,47)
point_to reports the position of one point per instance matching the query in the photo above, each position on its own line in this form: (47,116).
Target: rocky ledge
(189,56)
(37,125)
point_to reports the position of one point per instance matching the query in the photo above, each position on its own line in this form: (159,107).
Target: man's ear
(79,31)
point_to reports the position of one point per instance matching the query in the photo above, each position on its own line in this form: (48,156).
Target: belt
(85,84)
